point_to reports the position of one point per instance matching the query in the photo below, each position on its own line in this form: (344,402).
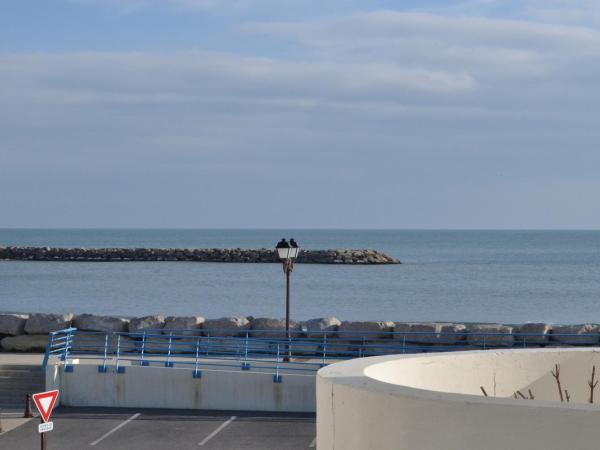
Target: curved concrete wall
(434,402)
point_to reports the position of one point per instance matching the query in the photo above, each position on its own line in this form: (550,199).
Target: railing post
(169,363)
(142,361)
(246,364)
(404,344)
(68,367)
(324,348)
(119,368)
(102,368)
(197,373)
(277,376)
(48,350)
(207,342)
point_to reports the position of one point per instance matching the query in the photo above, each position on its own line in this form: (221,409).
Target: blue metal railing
(271,351)
(59,345)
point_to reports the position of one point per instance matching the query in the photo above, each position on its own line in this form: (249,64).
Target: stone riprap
(184,326)
(46,323)
(29,332)
(234,255)
(91,322)
(226,326)
(13,324)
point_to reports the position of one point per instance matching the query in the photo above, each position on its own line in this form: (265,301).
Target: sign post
(44,402)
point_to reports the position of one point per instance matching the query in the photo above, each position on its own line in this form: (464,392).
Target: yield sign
(45,402)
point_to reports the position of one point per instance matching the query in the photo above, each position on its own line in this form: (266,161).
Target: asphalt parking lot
(147,429)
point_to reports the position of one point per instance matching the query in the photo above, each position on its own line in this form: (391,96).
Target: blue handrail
(250,349)
(58,345)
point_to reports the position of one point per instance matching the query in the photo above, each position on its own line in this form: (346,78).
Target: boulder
(226,326)
(13,324)
(429,333)
(159,345)
(358,331)
(586,334)
(269,328)
(184,326)
(46,323)
(341,347)
(227,345)
(385,347)
(25,343)
(107,324)
(308,348)
(317,328)
(95,342)
(370,347)
(490,335)
(532,333)
(147,323)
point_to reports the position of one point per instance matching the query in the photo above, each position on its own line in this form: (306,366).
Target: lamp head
(283,248)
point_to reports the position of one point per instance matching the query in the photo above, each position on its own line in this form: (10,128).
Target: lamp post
(287,253)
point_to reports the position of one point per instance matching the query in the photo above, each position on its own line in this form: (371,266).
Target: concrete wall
(159,387)
(434,402)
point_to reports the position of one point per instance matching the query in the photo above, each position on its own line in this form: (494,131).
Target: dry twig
(531,397)
(592,384)
(567,396)
(483,390)
(521,395)
(556,374)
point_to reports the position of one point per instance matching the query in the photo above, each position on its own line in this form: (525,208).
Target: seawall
(232,255)
(28,332)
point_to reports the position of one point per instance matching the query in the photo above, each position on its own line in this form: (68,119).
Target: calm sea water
(504,276)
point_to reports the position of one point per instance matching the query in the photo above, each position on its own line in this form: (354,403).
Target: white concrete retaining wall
(434,402)
(160,387)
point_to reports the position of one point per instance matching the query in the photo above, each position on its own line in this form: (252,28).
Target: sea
(445,275)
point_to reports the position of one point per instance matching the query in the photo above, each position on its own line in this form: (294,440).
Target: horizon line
(294,229)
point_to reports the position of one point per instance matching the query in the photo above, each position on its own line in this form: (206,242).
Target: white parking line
(118,427)
(214,433)
(313,443)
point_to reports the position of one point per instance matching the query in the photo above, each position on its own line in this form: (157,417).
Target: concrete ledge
(160,387)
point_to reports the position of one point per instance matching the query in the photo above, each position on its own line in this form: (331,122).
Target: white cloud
(370,106)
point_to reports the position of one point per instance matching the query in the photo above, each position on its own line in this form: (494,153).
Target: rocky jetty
(233,255)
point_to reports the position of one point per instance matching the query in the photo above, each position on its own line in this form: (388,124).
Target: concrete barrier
(161,387)
(435,401)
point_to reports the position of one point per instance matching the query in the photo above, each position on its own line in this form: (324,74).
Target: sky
(300,114)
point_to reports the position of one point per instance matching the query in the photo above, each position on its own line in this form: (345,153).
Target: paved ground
(147,429)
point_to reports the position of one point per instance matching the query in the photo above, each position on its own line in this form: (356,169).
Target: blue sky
(264,113)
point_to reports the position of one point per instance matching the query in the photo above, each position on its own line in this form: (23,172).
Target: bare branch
(567,396)
(556,374)
(592,384)
(531,397)
(483,390)
(521,395)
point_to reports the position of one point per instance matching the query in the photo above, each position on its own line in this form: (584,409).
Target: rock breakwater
(233,255)
(28,332)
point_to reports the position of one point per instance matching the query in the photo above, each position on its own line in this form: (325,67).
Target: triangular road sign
(44,401)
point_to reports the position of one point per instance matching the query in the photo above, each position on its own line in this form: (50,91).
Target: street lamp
(287,253)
